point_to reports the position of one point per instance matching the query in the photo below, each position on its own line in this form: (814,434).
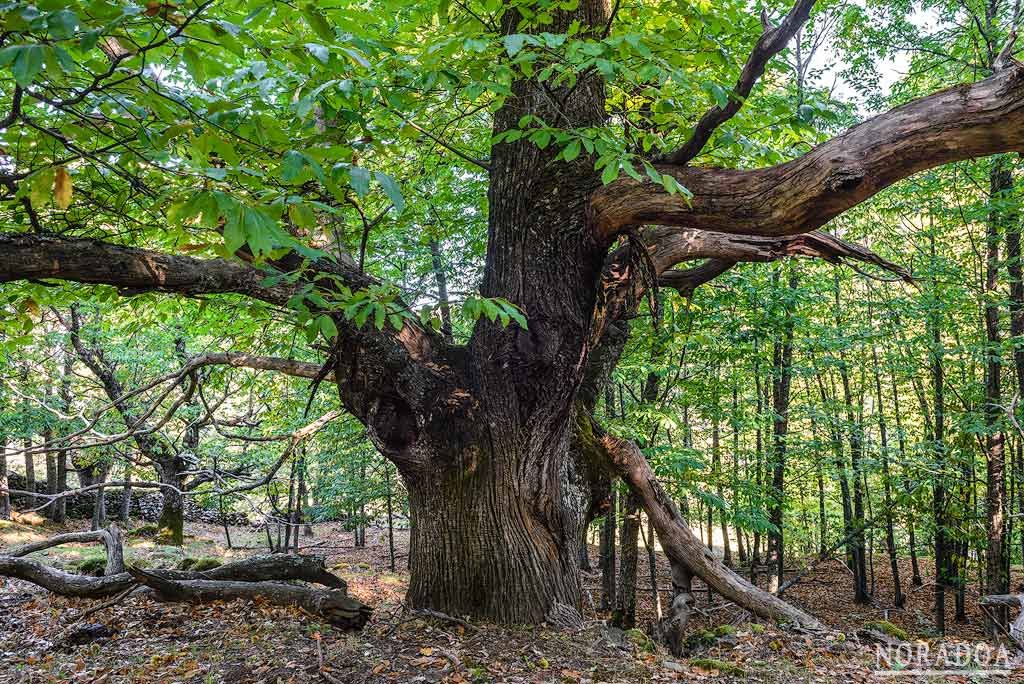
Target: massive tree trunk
(494,536)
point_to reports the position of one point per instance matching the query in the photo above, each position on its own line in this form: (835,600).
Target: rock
(673,666)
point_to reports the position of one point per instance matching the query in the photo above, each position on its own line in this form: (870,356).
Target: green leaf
(571,151)
(62,23)
(379,313)
(194,63)
(319,51)
(719,93)
(316,20)
(302,215)
(291,165)
(514,43)
(359,180)
(41,188)
(328,327)
(391,189)
(610,173)
(27,62)
(363,314)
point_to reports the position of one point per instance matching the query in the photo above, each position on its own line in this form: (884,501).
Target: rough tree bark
(483,434)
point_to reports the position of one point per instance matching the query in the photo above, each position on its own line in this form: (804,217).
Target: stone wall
(145,504)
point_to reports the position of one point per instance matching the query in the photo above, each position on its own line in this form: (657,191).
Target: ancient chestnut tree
(260,151)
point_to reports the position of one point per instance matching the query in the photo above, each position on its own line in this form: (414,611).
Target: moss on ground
(888,628)
(92,565)
(719,665)
(640,639)
(199,564)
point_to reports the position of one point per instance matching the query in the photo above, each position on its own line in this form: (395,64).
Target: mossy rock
(720,665)
(149,530)
(640,639)
(725,630)
(889,629)
(94,566)
(200,564)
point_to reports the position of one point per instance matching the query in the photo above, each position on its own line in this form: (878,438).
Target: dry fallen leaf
(62,188)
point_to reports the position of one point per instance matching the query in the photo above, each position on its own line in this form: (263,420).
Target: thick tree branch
(35,256)
(771,42)
(378,372)
(967,121)
(685,281)
(670,246)
(292,367)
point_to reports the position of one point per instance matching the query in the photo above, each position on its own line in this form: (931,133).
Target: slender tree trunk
(442,289)
(30,470)
(782,376)
(126,494)
(740,550)
(996,582)
(51,462)
(5,497)
(625,613)
(391,516)
(652,565)
(716,469)
(887,501)
(855,435)
(51,472)
(822,518)
(915,578)
(608,570)
(755,555)
(939,494)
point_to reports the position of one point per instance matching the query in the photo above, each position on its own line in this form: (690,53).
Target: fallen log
(248,578)
(110,537)
(63,583)
(256,569)
(333,605)
(1016,628)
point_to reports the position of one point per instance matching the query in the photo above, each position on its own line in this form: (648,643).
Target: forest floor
(247,642)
